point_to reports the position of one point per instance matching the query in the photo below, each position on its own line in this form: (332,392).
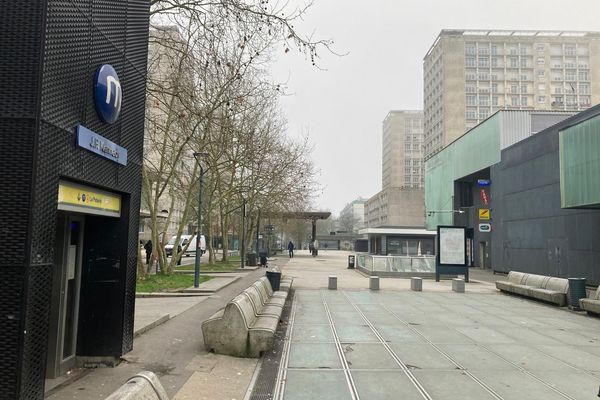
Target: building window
(524,101)
(494,49)
(541,61)
(484,101)
(570,51)
(494,62)
(523,88)
(514,89)
(470,89)
(541,99)
(470,48)
(584,88)
(484,62)
(523,62)
(471,114)
(483,114)
(514,62)
(584,76)
(494,100)
(584,101)
(471,100)
(494,88)
(514,101)
(570,76)
(558,90)
(558,100)
(470,62)
(541,72)
(484,77)
(466,194)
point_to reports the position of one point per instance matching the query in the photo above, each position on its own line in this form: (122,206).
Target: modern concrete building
(396,207)
(352,216)
(508,182)
(401,150)
(400,202)
(469,74)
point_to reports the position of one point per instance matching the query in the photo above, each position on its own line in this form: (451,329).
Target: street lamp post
(197,156)
(243,234)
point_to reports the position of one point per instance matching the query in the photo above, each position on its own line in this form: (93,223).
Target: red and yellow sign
(484,213)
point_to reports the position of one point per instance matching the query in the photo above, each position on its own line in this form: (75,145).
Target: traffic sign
(484,213)
(485,227)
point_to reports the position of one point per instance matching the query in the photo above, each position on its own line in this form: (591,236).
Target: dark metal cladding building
(70,201)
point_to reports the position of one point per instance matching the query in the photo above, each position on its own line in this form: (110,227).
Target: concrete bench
(246,326)
(143,386)
(591,304)
(540,287)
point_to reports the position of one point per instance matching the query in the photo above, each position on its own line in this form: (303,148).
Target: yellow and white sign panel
(88,200)
(484,213)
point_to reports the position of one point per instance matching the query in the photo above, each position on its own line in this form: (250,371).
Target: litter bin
(576,292)
(274,277)
(263,258)
(251,259)
(351,259)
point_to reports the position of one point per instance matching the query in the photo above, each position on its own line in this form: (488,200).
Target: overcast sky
(344,106)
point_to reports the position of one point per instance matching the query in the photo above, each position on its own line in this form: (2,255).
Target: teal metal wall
(472,152)
(579,148)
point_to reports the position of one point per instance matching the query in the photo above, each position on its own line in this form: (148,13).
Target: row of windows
(523,49)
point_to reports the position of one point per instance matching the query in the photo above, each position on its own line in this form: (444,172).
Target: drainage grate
(264,386)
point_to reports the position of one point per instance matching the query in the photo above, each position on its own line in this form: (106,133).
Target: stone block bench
(246,326)
(540,287)
(591,304)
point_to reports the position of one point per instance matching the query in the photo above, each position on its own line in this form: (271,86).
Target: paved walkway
(396,344)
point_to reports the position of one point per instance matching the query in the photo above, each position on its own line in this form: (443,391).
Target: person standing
(148,248)
(291,249)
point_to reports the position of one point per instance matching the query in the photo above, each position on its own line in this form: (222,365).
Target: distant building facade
(353,216)
(470,74)
(401,200)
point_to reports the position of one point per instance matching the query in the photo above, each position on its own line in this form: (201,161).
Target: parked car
(183,242)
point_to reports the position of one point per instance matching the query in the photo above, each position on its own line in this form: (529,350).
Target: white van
(183,241)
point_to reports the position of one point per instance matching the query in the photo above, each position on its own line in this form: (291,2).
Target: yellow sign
(80,198)
(484,213)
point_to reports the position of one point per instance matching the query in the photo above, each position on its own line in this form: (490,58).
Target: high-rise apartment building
(400,201)
(470,74)
(401,150)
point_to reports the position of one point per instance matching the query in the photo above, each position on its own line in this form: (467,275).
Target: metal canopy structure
(313,216)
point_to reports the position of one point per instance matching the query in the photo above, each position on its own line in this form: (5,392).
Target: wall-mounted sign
(483,182)
(485,198)
(484,213)
(89,200)
(107,93)
(95,143)
(485,227)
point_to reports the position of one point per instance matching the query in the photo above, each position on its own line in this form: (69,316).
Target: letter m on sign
(113,85)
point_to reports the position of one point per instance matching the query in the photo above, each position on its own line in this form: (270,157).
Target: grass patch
(232,264)
(166,283)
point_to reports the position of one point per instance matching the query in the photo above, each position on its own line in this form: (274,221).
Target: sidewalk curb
(206,292)
(154,324)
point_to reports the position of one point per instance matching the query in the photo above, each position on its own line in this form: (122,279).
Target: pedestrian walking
(291,249)
(148,248)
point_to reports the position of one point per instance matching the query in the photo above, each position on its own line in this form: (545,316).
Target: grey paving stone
(355,333)
(451,385)
(312,333)
(368,356)
(314,355)
(575,384)
(439,335)
(384,385)
(529,358)
(573,356)
(311,318)
(421,356)
(483,334)
(472,356)
(347,318)
(311,385)
(398,334)
(341,307)
(517,385)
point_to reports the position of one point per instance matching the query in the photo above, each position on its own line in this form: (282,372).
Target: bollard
(458,285)
(374,283)
(416,284)
(332,282)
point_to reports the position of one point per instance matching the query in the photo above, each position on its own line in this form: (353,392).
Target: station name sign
(95,143)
